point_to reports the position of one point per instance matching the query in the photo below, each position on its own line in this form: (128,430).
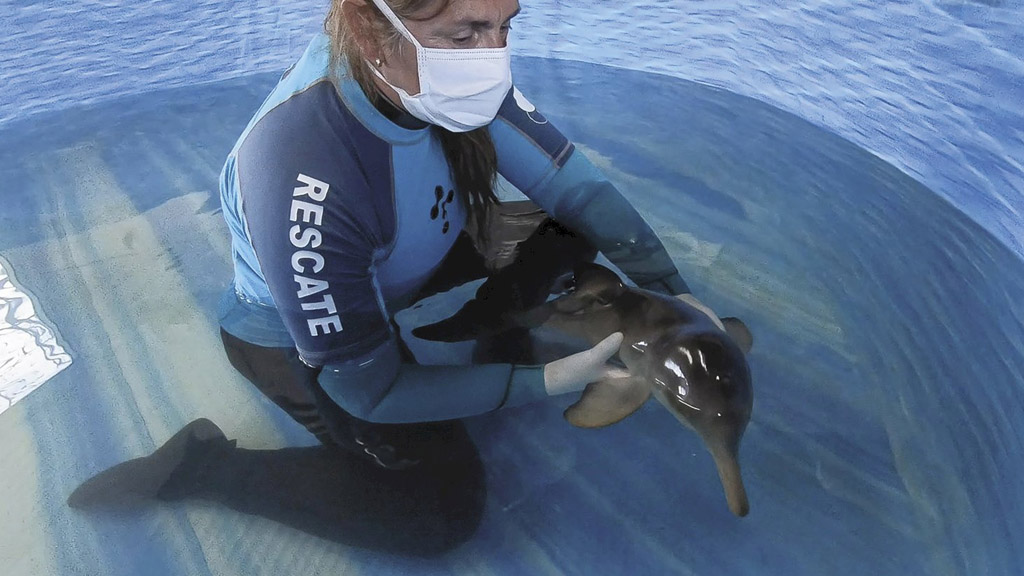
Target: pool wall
(931,87)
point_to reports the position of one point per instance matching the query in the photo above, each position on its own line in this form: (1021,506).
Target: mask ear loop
(420,52)
(397,23)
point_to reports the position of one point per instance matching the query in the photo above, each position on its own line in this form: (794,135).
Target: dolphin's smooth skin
(672,351)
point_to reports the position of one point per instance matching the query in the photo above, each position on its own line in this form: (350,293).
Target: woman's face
(462,24)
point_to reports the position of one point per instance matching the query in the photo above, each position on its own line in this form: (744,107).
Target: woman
(346,195)
(362,184)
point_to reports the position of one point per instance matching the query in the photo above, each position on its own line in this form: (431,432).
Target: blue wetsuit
(339,215)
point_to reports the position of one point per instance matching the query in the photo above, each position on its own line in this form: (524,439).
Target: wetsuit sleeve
(541,162)
(379,387)
(307,176)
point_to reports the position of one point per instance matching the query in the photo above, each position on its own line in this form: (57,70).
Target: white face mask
(460,89)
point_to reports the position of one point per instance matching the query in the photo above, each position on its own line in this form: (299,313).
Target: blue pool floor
(887,363)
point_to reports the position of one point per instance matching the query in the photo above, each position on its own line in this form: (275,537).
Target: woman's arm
(542,163)
(584,200)
(382,388)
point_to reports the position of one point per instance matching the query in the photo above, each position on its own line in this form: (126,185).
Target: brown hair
(472,161)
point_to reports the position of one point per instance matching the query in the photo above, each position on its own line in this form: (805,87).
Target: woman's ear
(358,16)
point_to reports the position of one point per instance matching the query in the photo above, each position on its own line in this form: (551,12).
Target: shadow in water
(425,510)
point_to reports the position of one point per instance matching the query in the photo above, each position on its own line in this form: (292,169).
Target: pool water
(887,362)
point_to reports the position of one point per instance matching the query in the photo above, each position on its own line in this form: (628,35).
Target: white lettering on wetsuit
(306,262)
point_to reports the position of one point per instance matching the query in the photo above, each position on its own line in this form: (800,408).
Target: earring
(377,62)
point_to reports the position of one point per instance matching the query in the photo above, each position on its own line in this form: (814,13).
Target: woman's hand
(573,373)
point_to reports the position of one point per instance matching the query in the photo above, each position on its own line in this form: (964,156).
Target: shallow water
(886,365)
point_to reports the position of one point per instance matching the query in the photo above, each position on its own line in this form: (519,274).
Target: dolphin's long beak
(732,482)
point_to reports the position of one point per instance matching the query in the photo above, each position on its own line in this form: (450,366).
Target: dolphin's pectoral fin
(739,332)
(607,401)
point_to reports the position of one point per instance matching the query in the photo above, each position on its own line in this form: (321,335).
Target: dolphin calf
(671,349)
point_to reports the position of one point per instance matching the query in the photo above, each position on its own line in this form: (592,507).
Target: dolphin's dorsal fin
(607,401)
(739,332)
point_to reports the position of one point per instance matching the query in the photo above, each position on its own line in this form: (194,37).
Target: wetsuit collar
(390,125)
(399,116)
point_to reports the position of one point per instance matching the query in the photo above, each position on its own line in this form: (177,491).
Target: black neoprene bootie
(169,472)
